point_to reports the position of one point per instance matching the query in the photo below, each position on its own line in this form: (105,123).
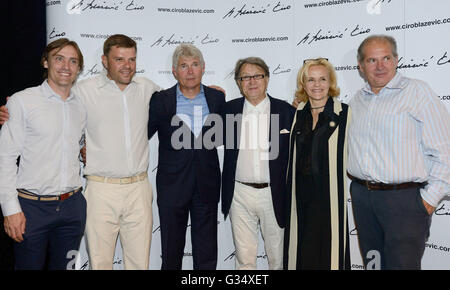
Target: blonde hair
(301,94)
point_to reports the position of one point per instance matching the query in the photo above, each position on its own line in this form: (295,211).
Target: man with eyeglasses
(256,138)
(188,177)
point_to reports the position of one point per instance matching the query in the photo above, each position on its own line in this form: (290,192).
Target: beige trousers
(119,209)
(250,210)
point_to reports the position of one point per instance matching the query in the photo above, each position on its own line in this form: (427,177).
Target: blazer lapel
(238,111)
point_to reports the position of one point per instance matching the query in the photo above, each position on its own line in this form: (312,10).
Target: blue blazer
(277,166)
(181,170)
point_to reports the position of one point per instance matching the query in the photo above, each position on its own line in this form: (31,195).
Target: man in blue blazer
(255,162)
(188,177)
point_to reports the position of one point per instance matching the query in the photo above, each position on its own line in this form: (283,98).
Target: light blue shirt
(44,130)
(194,111)
(401,134)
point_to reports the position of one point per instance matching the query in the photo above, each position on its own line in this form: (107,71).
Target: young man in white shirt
(45,212)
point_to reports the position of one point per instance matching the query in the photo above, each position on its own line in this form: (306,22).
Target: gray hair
(377,37)
(186,50)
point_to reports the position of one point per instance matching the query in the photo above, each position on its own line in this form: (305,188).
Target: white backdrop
(283,33)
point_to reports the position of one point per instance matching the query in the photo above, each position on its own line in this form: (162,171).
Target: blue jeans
(53,229)
(392,225)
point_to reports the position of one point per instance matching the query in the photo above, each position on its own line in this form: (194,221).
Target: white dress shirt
(401,135)
(44,130)
(116,129)
(253,159)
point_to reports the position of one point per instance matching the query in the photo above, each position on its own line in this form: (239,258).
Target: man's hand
(15,226)
(4,116)
(430,208)
(219,89)
(83,154)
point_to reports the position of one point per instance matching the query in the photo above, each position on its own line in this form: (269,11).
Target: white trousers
(119,209)
(250,210)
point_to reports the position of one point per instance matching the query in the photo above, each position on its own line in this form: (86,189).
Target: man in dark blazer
(188,177)
(254,178)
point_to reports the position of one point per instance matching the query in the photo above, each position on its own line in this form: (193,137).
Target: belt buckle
(125,180)
(368,185)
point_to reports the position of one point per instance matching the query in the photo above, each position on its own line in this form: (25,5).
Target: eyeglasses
(314,59)
(248,78)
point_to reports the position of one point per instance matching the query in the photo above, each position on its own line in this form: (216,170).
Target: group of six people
(284,170)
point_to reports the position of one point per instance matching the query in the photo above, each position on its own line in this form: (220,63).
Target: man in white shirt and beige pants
(118,192)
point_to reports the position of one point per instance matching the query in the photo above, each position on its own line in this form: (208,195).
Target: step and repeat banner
(283,33)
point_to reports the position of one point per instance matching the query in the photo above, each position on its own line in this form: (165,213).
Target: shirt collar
(104,80)
(50,93)
(180,94)
(397,82)
(261,107)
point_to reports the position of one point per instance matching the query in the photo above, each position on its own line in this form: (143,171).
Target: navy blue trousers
(173,225)
(53,230)
(392,226)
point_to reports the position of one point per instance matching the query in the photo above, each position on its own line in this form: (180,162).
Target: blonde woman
(316,236)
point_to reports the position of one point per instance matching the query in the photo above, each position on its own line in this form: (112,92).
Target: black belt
(370,185)
(255,185)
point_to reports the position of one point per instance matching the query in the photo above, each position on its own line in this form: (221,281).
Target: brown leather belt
(29,195)
(385,186)
(255,185)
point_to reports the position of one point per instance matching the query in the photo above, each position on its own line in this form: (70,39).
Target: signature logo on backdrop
(443,60)
(402,63)
(85,264)
(78,6)
(97,69)
(54,33)
(232,256)
(442,210)
(176,40)
(424,63)
(93,71)
(330,34)
(280,70)
(245,10)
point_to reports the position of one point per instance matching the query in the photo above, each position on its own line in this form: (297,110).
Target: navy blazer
(277,166)
(181,170)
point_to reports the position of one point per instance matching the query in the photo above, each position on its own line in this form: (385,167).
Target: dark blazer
(181,169)
(277,166)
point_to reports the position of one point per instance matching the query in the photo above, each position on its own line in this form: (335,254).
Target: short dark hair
(119,40)
(60,44)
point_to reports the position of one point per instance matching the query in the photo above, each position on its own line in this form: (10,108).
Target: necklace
(317,107)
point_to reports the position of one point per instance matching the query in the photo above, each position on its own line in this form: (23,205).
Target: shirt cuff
(11,207)
(431,199)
